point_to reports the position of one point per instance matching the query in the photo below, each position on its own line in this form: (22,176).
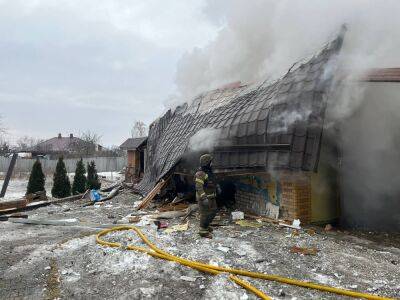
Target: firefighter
(206,195)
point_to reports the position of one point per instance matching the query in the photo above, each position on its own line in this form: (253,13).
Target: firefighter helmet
(205,160)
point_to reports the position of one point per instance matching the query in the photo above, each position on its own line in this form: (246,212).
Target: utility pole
(9,173)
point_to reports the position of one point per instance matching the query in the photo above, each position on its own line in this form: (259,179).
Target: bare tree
(139,129)
(90,142)
(27,142)
(4,145)
(3,130)
(90,137)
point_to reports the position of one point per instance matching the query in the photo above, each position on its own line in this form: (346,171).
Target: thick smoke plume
(261,39)
(204,140)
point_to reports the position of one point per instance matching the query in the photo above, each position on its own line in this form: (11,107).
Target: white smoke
(204,140)
(287,119)
(263,38)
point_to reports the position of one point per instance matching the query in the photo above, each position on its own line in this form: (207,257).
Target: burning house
(271,151)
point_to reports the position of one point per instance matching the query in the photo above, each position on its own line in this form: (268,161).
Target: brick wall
(250,202)
(253,192)
(292,192)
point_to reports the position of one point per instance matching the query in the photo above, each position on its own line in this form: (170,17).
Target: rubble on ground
(45,261)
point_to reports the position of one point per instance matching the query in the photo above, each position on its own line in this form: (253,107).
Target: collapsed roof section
(271,126)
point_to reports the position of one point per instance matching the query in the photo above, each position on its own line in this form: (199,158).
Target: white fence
(103,164)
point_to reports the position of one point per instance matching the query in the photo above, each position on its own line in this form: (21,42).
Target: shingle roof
(61,144)
(271,125)
(133,143)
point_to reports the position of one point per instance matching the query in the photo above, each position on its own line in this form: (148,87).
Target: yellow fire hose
(214,270)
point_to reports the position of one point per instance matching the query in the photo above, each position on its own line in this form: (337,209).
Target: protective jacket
(205,186)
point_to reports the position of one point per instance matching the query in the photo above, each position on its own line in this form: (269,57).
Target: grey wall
(370,171)
(103,164)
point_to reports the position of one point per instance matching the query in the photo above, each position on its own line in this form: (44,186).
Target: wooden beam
(7,207)
(150,196)
(13,204)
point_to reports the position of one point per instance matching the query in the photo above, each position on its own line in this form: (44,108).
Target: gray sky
(71,66)
(77,65)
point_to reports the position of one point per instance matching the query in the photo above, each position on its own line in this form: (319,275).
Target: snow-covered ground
(65,262)
(17,188)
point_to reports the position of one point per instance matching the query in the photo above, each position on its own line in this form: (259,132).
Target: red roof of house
(383,75)
(61,144)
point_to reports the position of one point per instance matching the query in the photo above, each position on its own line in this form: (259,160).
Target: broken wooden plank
(177,200)
(64,222)
(150,196)
(13,204)
(112,186)
(69,199)
(24,205)
(29,206)
(170,207)
(112,194)
(170,214)
(29,198)
(38,196)
(262,218)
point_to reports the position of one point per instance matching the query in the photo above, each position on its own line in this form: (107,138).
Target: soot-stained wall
(254,192)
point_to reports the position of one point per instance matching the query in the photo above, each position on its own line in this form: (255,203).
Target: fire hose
(215,270)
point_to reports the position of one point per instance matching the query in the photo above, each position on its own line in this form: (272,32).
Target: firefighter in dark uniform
(206,195)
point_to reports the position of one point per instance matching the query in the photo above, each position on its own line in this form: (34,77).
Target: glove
(205,201)
(219,190)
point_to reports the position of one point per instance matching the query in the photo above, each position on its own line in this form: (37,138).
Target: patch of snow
(223,249)
(148,291)
(324,279)
(17,188)
(118,261)
(187,278)
(71,276)
(74,244)
(223,288)
(115,176)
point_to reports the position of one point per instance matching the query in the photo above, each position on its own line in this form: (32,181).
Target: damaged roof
(274,125)
(133,143)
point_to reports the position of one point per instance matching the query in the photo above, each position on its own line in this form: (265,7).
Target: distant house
(136,152)
(65,145)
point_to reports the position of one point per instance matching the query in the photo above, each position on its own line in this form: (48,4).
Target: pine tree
(36,179)
(92,177)
(79,184)
(61,185)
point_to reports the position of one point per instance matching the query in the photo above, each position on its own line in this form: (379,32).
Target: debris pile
(65,252)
